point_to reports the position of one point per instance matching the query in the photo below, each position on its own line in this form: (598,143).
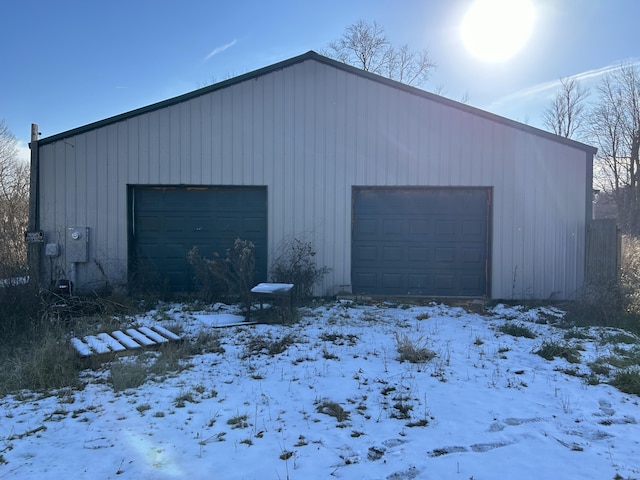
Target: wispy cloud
(548,89)
(220,49)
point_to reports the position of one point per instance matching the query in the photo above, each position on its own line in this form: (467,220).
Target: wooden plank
(119,341)
(111,342)
(155,336)
(82,348)
(167,333)
(135,334)
(96,344)
(126,340)
(603,251)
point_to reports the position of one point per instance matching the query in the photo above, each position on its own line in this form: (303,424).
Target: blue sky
(67,63)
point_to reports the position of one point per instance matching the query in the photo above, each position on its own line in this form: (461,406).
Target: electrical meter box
(77,246)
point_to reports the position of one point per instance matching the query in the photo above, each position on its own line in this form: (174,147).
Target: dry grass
(517,330)
(413,350)
(333,409)
(264,344)
(44,362)
(627,380)
(551,349)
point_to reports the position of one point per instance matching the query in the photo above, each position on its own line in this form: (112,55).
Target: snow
(123,338)
(13,282)
(485,407)
(221,320)
(272,288)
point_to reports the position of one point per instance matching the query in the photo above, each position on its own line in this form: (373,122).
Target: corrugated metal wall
(310,132)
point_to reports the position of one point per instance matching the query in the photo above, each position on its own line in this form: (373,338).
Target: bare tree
(365,45)
(615,129)
(566,115)
(14,205)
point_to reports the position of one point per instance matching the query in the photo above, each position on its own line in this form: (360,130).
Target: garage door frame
(134,257)
(477,191)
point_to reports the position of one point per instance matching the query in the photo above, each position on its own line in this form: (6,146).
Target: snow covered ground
(337,403)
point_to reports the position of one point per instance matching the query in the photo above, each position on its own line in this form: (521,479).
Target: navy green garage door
(420,241)
(168,221)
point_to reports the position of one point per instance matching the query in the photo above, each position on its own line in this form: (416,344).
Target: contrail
(553,85)
(218,50)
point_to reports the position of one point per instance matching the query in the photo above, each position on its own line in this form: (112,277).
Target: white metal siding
(310,132)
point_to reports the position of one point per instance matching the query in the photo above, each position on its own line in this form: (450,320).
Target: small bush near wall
(20,306)
(222,278)
(613,302)
(630,275)
(296,264)
(207,276)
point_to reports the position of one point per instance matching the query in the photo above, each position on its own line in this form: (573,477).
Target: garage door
(420,241)
(168,221)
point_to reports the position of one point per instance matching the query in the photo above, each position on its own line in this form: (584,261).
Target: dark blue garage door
(420,241)
(167,221)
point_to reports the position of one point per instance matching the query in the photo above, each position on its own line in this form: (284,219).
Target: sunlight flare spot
(496,30)
(155,458)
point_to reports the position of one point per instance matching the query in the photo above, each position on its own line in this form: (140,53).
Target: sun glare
(495,30)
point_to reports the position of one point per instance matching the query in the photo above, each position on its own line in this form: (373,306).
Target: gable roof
(311,55)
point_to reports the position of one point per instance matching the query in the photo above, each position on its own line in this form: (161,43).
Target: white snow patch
(484,407)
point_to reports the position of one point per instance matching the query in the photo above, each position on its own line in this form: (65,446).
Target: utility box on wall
(77,247)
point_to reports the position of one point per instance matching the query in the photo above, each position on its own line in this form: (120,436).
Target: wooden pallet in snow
(118,341)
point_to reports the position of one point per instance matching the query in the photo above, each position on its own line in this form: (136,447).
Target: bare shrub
(598,304)
(614,302)
(231,276)
(20,305)
(145,280)
(14,206)
(295,263)
(630,274)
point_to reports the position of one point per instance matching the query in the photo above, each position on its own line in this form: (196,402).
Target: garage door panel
(252,224)
(470,283)
(367,254)
(366,226)
(419,228)
(472,256)
(445,282)
(445,229)
(418,284)
(393,227)
(367,280)
(148,223)
(392,254)
(427,241)
(175,224)
(419,254)
(228,224)
(149,251)
(473,227)
(445,256)
(393,281)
